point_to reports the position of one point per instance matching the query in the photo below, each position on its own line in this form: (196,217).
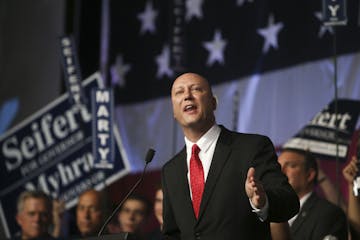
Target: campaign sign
(71,68)
(334,12)
(52,151)
(329,134)
(103,143)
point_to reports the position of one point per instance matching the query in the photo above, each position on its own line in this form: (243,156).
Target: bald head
(193,104)
(191,76)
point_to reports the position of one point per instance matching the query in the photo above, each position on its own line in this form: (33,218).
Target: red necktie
(196,179)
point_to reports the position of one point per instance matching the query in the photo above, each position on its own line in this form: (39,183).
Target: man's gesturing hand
(254,190)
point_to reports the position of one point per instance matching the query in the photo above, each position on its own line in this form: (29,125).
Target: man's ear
(215,102)
(311,175)
(18,219)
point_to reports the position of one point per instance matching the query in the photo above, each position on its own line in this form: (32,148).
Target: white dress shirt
(207,145)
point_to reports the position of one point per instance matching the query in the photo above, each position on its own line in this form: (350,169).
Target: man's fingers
(251,172)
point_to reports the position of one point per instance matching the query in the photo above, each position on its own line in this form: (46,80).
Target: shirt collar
(304,198)
(205,141)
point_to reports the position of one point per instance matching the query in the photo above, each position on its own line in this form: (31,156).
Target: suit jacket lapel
(303,213)
(221,154)
(184,185)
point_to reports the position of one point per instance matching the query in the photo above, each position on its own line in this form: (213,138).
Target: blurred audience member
(317,218)
(91,211)
(133,214)
(34,215)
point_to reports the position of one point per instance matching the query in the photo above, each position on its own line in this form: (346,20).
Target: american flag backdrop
(225,40)
(271,64)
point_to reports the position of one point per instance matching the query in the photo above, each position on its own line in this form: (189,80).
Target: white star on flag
(216,49)
(147,19)
(193,9)
(270,34)
(163,63)
(241,2)
(118,71)
(323,29)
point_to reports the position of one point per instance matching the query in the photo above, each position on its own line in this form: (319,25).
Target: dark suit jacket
(155,235)
(225,211)
(319,218)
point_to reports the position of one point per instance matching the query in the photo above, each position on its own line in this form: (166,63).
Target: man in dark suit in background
(241,187)
(318,218)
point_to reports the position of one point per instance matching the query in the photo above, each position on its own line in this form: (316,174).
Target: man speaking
(222,184)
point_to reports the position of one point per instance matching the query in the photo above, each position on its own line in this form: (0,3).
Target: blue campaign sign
(334,12)
(52,151)
(103,139)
